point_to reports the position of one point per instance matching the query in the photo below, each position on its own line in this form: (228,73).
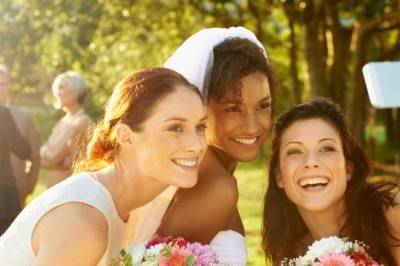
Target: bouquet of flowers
(161,251)
(333,251)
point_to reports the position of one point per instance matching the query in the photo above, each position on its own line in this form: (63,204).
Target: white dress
(143,223)
(15,243)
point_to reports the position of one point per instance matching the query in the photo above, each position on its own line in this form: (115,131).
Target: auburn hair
(132,102)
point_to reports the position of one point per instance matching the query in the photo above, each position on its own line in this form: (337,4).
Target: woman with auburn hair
(319,187)
(148,140)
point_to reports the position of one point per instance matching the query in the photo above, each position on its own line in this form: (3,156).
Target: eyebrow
(293,142)
(325,139)
(300,143)
(182,119)
(240,101)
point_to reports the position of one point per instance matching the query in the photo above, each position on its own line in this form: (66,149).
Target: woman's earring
(348,177)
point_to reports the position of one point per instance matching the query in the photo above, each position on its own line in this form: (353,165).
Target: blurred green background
(317,48)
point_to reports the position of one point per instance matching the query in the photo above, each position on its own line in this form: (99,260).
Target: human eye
(233,109)
(293,151)
(263,106)
(327,149)
(201,128)
(175,128)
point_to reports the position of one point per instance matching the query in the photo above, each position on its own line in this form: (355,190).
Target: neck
(72,108)
(227,162)
(324,223)
(128,188)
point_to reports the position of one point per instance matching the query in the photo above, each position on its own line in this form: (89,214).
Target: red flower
(362,259)
(157,239)
(180,242)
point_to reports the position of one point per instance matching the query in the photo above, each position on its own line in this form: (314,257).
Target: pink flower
(334,259)
(204,255)
(175,257)
(157,239)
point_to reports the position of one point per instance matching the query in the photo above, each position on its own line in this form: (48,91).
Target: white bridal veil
(194,59)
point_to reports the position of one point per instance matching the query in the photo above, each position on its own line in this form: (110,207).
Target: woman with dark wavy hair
(318,187)
(231,68)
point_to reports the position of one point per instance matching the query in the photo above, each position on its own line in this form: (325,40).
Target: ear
(349,170)
(123,134)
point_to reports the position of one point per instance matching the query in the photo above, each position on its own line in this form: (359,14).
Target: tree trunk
(359,98)
(313,51)
(389,126)
(296,87)
(338,54)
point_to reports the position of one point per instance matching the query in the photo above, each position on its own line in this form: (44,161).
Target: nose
(311,161)
(194,142)
(250,123)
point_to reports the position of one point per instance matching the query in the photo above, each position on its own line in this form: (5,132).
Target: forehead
(253,87)
(181,103)
(310,130)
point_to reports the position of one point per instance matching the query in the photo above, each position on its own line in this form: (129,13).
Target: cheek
(264,121)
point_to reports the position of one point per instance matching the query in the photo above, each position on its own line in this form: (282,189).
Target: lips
(187,163)
(246,140)
(313,182)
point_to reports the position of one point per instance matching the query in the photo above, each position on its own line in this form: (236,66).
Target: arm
(199,213)
(54,156)
(72,234)
(32,174)
(10,132)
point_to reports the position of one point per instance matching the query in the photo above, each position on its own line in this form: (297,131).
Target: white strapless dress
(230,247)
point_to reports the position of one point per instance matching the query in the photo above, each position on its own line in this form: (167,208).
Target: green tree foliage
(317,47)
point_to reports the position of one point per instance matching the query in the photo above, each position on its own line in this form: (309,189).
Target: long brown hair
(283,228)
(131,103)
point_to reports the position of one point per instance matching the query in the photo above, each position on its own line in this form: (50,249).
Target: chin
(241,157)
(187,182)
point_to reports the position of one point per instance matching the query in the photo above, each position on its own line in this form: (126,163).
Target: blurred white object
(383,83)
(230,247)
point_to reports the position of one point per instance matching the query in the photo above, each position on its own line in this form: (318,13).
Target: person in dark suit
(25,171)
(11,141)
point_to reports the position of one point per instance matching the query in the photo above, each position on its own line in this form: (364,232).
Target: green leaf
(189,260)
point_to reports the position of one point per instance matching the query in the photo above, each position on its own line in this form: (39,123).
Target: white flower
(137,252)
(324,246)
(155,250)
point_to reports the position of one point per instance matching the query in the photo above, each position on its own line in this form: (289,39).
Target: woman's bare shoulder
(71,230)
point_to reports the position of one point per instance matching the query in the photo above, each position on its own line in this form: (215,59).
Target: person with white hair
(25,171)
(57,153)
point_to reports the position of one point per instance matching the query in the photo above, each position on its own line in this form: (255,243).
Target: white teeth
(246,141)
(186,162)
(313,180)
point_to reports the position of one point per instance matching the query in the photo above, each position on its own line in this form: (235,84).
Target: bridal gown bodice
(230,247)
(143,223)
(15,243)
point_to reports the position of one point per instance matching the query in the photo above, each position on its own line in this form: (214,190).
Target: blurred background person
(57,153)
(11,141)
(25,171)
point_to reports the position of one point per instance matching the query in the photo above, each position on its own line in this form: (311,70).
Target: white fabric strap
(194,59)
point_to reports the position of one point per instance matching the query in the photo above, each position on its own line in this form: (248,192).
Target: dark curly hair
(283,227)
(234,59)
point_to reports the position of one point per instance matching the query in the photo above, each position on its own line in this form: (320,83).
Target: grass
(252,183)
